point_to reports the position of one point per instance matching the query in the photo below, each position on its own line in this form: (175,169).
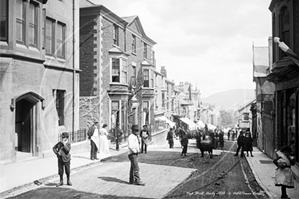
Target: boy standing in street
(62,151)
(144,136)
(133,151)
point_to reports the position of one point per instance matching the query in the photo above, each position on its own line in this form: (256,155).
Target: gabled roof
(135,25)
(102,10)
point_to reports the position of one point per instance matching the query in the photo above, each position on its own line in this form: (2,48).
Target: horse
(205,144)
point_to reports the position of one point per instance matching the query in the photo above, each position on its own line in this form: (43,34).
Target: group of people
(284,160)
(231,133)
(98,139)
(244,142)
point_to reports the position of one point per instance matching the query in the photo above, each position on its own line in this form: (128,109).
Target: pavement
(263,169)
(16,178)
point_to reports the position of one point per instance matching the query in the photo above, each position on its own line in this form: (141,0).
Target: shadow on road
(51,184)
(111,179)
(61,192)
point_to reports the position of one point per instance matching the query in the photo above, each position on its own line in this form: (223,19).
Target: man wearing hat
(62,151)
(93,136)
(133,151)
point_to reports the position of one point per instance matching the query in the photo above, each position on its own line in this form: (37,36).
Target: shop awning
(164,118)
(211,127)
(201,124)
(190,123)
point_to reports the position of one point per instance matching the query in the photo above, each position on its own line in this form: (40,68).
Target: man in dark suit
(241,144)
(90,133)
(62,151)
(118,135)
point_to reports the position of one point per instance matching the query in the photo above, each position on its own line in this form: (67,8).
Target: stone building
(262,114)
(284,73)
(39,78)
(118,68)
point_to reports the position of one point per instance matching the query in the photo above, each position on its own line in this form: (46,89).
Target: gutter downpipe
(73,41)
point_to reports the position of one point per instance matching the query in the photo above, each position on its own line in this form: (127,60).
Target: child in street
(283,174)
(62,151)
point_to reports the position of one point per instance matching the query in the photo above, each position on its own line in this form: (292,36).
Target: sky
(205,42)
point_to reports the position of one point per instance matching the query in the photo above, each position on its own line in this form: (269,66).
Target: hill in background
(230,99)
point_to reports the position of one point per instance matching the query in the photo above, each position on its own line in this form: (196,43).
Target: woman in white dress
(103,141)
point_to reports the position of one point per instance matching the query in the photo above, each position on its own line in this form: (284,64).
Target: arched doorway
(26,123)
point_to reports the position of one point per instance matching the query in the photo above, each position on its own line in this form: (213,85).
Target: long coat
(248,143)
(283,173)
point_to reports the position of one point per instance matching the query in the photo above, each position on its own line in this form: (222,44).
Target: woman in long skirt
(103,141)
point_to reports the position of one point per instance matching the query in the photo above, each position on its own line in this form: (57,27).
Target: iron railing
(76,136)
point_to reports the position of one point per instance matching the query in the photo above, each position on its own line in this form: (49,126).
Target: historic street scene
(149,99)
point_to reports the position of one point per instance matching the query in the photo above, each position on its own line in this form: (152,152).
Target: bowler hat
(135,127)
(65,135)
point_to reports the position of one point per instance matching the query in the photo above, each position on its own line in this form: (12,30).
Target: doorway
(24,126)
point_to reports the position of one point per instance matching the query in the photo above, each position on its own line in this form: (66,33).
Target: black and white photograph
(149,99)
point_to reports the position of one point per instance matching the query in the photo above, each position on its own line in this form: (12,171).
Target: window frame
(57,42)
(21,21)
(284,31)
(145,50)
(146,78)
(124,71)
(116,35)
(133,44)
(52,36)
(113,75)
(4,15)
(35,25)
(60,106)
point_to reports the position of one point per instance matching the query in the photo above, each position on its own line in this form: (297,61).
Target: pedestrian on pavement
(221,139)
(133,151)
(184,142)
(216,136)
(118,135)
(94,137)
(283,173)
(248,143)
(103,141)
(144,134)
(170,138)
(233,135)
(62,151)
(228,134)
(240,143)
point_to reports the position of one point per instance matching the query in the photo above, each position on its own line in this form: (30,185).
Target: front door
(24,126)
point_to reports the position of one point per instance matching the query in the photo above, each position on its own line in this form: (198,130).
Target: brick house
(284,73)
(39,75)
(117,63)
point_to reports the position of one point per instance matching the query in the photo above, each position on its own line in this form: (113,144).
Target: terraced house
(284,73)
(118,64)
(39,75)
